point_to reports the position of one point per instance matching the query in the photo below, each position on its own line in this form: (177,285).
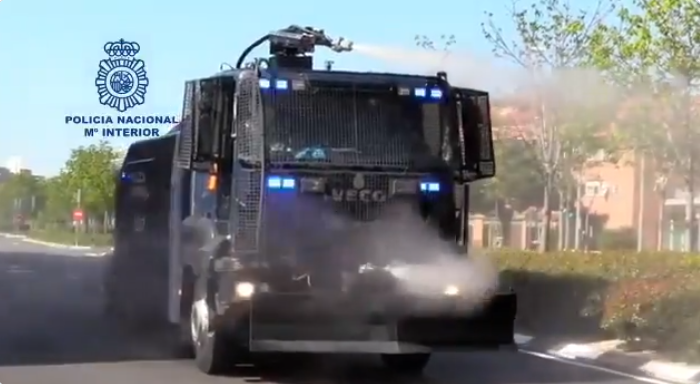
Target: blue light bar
(281,84)
(277,182)
(429,187)
(434,93)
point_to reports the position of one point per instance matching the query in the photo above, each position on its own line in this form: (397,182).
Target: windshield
(351,127)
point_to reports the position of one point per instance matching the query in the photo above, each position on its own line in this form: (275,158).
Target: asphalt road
(51,332)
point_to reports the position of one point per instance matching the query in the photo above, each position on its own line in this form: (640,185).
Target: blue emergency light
(278,182)
(421,92)
(434,93)
(429,187)
(279,84)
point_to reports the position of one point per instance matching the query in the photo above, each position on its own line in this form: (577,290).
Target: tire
(113,308)
(183,347)
(109,305)
(214,354)
(411,364)
(184,343)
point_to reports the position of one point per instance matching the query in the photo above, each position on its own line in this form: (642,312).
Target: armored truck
(286,212)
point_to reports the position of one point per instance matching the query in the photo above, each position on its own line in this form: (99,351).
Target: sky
(50,51)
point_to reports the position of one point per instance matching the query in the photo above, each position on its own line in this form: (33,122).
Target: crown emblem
(358,182)
(122,49)
(121,79)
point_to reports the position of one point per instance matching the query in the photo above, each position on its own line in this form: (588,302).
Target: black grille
(358,196)
(353,126)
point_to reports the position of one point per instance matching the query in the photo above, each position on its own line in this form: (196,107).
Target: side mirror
(475,135)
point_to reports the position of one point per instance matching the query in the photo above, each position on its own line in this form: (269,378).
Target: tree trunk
(691,232)
(690,216)
(562,220)
(578,227)
(660,220)
(641,203)
(570,195)
(547,215)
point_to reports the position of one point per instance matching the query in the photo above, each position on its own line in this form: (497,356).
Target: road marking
(522,339)
(16,269)
(593,367)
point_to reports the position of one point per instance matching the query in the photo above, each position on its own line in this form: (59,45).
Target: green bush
(651,299)
(619,239)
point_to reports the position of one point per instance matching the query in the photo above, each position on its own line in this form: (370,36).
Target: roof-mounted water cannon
(291,47)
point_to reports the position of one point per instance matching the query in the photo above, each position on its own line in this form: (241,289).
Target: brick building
(625,194)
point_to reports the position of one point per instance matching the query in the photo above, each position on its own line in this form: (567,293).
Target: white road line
(16,269)
(593,367)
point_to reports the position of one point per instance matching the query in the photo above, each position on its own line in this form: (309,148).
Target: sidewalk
(98,251)
(608,354)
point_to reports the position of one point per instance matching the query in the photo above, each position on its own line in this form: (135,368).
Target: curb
(26,239)
(55,245)
(97,254)
(606,354)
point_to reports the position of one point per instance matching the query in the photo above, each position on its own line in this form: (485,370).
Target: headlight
(451,290)
(244,290)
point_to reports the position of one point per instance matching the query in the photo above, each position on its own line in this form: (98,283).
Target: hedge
(650,300)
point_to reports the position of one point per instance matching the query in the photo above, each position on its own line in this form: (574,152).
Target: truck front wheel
(214,353)
(412,364)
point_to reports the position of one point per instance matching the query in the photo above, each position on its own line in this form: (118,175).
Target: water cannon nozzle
(342,45)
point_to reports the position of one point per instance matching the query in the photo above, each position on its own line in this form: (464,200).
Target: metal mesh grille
(249,118)
(359,197)
(305,223)
(355,127)
(247,183)
(207,94)
(247,210)
(186,140)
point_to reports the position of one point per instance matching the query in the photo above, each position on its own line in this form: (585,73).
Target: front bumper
(335,323)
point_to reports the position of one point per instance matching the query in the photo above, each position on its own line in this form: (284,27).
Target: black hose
(251,47)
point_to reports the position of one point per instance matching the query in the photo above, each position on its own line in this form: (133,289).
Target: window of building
(597,188)
(600,155)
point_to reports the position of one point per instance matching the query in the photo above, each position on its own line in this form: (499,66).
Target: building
(5,174)
(623,194)
(14,164)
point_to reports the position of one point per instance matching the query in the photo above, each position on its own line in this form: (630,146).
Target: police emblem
(121,80)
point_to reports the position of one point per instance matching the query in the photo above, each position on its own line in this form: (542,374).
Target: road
(51,332)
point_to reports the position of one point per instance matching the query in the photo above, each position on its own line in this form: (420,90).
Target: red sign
(77,215)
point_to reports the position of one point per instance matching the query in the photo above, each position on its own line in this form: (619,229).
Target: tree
(655,54)
(517,183)
(20,196)
(59,200)
(551,39)
(88,177)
